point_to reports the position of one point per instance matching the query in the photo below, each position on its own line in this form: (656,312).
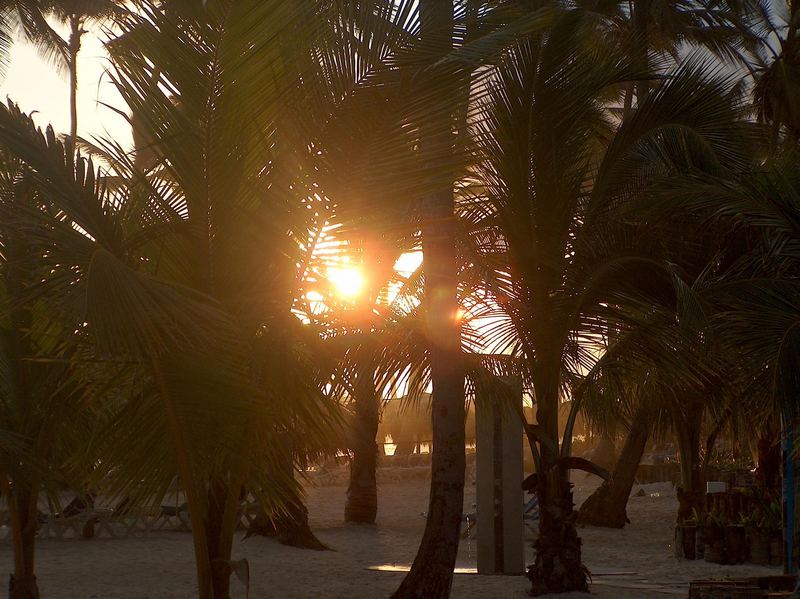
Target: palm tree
(681,381)
(32,15)
(415,38)
(362,498)
(46,407)
(21,390)
(29,16)
(632,387)
(777,68)
(659,32)
(431,573)
(188,268)
(556,171)
(77,14)
(754,294)
(365,214)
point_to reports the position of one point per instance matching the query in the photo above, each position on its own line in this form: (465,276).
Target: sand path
(636,562)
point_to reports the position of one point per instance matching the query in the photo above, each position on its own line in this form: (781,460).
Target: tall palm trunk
(557,567)
(23,515)
(431,574)
(607,505)
(362,491)
(641,9)
(73,49)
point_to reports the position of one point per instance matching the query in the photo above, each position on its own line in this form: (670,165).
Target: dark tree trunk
(293,529)
(557,567)
(362,492)
(607,505)
(431,575)
(690,492)
(641,14)
(22,494)
(23,516)
(217,554)
(290,526)
(23,588)
(768,470)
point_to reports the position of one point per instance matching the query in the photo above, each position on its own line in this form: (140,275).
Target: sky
(37,86)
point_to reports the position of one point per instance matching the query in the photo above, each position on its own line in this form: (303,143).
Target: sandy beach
(632,563)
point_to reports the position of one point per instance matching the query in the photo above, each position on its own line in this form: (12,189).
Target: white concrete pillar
(498,481)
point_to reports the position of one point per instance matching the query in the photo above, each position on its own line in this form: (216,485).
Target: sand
(635,562)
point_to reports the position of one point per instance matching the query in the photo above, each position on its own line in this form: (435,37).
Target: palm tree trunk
(218,557)
(431,574)
(607,505)
(22,494)
(74,48)
(198,506)
(290,526)
(641,10)
(557,567)
(23,515)
(362,491)
(690,493)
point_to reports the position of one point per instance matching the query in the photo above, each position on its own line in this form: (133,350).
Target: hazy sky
(36,86)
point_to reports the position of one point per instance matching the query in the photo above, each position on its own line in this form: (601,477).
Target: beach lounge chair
(176,517)
(530,513)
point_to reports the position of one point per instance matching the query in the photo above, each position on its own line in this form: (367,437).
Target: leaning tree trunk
(362,492)
(23,515)
(289,526)
(557,567)
(431,574)
(292,527)
(607,505)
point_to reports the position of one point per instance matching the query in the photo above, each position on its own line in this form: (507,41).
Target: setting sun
(348,282)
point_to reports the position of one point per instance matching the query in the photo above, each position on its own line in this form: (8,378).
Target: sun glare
(407,263)
(348,282)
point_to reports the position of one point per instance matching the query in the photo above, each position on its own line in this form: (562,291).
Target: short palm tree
(187,269)
(557,170)
(46,407)
(755,295)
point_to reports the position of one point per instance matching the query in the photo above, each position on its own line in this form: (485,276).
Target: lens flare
(348,282)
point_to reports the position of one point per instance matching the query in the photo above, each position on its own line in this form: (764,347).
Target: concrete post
(498,480)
